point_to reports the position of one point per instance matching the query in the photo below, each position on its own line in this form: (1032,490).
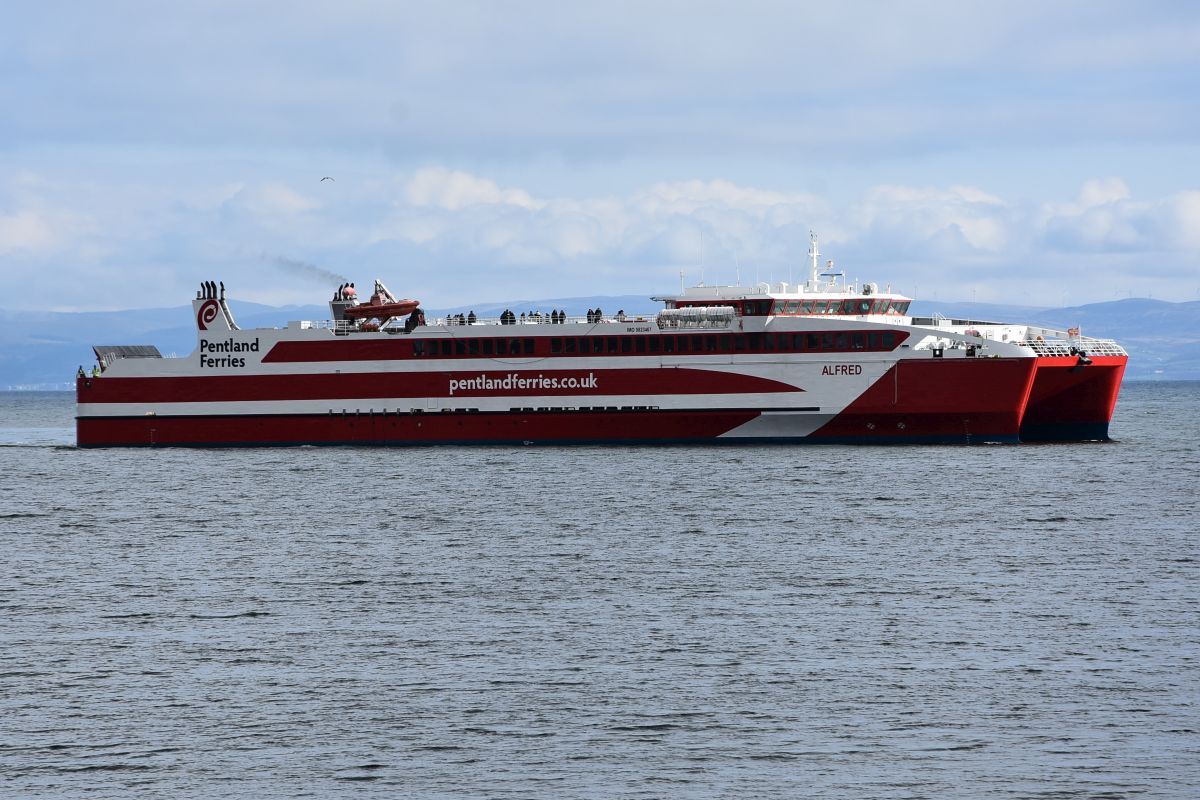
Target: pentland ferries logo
(209,350)
(515,382)
(206,314)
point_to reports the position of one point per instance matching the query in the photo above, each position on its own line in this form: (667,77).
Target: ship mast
(814,255)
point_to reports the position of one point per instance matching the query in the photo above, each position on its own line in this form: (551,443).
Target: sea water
(694,622)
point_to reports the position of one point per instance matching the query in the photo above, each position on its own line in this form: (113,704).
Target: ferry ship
(825,361)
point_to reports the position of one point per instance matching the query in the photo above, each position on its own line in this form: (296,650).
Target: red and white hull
(847,397)
(721,364)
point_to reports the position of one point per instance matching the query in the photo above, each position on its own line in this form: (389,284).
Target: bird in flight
(326,178)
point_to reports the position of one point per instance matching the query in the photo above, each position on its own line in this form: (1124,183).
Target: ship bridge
(825,293)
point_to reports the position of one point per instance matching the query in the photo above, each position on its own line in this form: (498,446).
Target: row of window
(850,307)
(383,412)
(840,342)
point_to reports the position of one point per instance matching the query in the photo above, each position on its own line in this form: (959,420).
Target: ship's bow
(1073,398)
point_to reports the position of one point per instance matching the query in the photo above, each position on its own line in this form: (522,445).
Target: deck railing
(536,319)
(1075,346)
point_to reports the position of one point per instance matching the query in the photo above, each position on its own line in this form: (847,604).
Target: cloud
(436,83)
(270,199)
(1104,217)
(453,190)
(451,235)
(665,224)
(25,231)
(1181,221)
(955,218)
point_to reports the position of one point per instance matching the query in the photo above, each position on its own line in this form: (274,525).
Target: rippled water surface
(844,622)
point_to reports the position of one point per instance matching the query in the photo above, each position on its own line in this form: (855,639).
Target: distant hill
(42,350)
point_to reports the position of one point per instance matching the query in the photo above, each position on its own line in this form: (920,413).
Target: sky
(1043,153)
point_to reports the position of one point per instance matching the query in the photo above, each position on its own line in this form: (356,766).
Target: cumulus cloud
(450,236)
(270,199)
(40,229)
(959,215)
(25,231)
(664,225)
(452,190)
(1103,217)
(1181,221)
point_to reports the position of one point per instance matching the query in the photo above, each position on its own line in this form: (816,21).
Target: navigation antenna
(813,254)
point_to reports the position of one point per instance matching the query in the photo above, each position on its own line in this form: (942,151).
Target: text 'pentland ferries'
(514,381)
(208,349)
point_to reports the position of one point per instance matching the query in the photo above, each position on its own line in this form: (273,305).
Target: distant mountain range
(41,350)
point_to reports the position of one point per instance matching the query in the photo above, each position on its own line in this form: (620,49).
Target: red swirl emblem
(207,313)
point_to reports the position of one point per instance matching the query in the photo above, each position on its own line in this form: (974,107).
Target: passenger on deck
(471,318)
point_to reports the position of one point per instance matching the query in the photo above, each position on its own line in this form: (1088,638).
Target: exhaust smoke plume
(303,269)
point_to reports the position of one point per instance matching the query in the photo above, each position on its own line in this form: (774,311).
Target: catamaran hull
(935,401)
(1072,400)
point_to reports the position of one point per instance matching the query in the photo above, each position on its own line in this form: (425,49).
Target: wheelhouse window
(756,308)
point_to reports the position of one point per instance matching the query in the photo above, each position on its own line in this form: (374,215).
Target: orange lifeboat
(382,306)
(400,308)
